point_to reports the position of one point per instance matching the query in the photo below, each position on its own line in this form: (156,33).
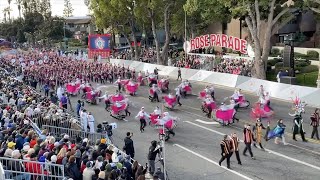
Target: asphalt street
(195,150)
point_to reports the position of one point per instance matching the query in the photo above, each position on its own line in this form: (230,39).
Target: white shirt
(88,173)
(157,111)
(177,91)
(235,96)
(142,114)
(84,116)
(223,108)
(90,118)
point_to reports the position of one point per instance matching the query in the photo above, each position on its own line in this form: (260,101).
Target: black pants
(315,132)
(46,93)
(302,136)
(226,156)
(212,94)
(143,124)
(155,97)
(65,106)
(237,156)
(178,100)
(179,76)
(107,104)
(119,87)
(248,148)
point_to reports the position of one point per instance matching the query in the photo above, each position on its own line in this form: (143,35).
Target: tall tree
(120,18)
(274,13)
(44,8)
(19,4)
(68,10)
(159,12)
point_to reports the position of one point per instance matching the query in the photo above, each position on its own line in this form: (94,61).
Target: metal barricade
(26,169)
(56,119)
(73,134)
(2,175)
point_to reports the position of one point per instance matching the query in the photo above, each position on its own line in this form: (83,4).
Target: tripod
(161,160)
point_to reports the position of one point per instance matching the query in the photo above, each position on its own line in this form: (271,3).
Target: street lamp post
(318,81)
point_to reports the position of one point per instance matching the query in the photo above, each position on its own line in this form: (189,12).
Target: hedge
(313,54)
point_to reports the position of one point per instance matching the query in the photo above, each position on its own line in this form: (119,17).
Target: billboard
(99,44)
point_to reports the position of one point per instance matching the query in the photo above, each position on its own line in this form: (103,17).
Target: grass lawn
(304,79)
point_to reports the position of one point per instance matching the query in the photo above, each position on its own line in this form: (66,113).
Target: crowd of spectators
(239,66)
(27,153)
(234,66)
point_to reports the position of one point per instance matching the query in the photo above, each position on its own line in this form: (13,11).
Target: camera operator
(154,149)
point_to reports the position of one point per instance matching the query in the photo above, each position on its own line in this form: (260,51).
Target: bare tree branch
(281,24)
(276,19)
(253,33)
(252,17)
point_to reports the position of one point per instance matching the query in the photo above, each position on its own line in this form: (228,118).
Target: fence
(19,169)
(74,134)
(92,137)
(2,175)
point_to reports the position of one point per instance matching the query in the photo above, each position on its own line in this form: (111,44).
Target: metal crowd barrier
(73,133)
(53,119)
(2,173)
(92,137)
(19,169)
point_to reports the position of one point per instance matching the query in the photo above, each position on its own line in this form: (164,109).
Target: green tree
(21,37)
(159,13)
(274,13)
(119,16)
(44,8)
(68,10)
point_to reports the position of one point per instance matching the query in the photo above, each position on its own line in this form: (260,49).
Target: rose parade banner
(99,44)
(220,40)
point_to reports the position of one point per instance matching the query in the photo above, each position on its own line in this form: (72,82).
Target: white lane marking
(217,132)
(212,162)
(268,150)
(191,113)
(206,122)
(310,151)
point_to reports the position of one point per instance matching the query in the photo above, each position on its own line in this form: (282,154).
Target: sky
(80,9)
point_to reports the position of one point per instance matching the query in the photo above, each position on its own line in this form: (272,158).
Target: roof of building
(78,20)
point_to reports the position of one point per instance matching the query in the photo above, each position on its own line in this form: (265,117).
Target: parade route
(194,151)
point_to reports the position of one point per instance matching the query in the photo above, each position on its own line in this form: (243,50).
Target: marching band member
(226,151)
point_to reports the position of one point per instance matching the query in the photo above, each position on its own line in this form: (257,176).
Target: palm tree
(19,3)
(7,11)
(5,15)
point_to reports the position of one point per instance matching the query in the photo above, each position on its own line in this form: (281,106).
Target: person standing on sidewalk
(234,142)
(225,151)
(84,120)
(153,151)
(91,122)
(315,118)
(248,140)
(128,147)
